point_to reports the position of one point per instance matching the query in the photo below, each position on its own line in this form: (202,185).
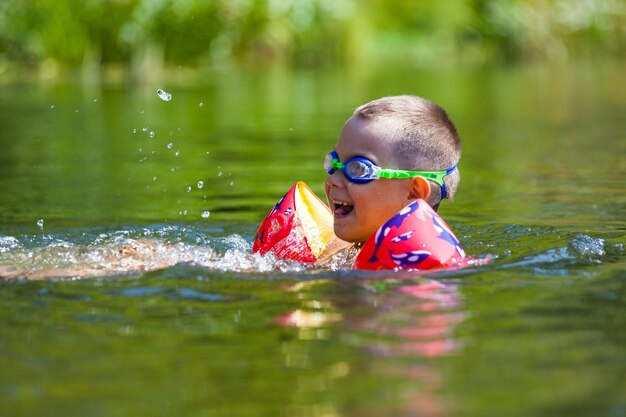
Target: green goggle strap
(436,176)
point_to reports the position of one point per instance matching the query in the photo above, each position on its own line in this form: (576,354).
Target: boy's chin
(349,235)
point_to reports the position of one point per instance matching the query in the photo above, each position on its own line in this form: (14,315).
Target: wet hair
(423,136)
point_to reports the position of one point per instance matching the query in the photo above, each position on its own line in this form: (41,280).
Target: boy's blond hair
(425,139)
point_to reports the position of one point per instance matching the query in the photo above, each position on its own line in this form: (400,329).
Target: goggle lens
(356,169)
(328,163)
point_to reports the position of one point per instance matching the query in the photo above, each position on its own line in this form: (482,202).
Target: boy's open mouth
(341,208)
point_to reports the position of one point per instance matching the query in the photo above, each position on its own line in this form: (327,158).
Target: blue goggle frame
(361,170)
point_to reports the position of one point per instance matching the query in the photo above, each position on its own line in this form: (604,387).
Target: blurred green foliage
(140,34)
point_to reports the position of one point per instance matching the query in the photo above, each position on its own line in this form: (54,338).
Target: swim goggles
(361,170)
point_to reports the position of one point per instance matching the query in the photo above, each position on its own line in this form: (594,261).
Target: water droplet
(52,107)
(177,153)
(134,130)
(201,104)
(145,129)
(200,184)
(154,178)
(219,173)
(165,96)
(151,134)
(169,145)
(140,149)
(232,183)
(205,214)
(188,189)
(95,100)
(141,111)
(40,224)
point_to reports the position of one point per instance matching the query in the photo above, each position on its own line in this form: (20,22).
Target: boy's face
(360,209)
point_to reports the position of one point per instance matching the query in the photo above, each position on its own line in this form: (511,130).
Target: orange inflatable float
(299,227)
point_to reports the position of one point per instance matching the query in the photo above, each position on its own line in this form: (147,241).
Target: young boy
(390,152)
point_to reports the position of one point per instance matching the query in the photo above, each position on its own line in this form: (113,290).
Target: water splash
(124,252)
(163,95)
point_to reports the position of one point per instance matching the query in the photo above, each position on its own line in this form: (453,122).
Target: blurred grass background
(144,39)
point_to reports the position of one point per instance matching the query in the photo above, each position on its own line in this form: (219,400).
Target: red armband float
(414,238)
(299,227)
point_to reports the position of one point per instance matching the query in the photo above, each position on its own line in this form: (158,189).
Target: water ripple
(131,250)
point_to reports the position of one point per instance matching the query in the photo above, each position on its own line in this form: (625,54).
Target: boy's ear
(419,187)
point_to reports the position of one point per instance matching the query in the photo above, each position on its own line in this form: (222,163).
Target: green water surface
(540,331)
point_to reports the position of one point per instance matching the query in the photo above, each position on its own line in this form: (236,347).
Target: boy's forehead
(367,138)
(360,131)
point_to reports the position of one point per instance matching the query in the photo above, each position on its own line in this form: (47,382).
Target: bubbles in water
(169,145)
(200,184)
(587,246)
(165,96)
(151,134)
(205,214)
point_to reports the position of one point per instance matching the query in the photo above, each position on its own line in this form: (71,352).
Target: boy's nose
(335,179)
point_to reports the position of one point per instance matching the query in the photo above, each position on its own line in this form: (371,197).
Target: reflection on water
(389,319)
